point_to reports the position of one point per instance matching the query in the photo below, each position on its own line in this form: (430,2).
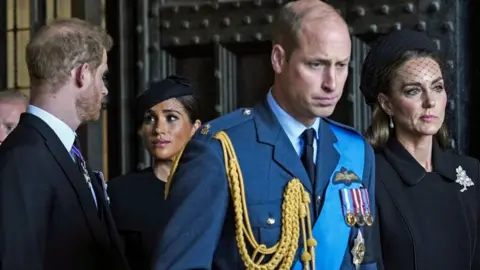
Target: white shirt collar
(62,130)
(293,128)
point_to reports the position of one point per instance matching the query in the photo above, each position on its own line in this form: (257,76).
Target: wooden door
(224,45)
(225,48)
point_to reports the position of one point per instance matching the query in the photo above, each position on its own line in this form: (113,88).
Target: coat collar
(269,131)
(411,171)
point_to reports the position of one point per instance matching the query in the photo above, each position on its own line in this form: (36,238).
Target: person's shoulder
(351,132)
(128,179)
(466,163)
(347,129)
(26,163)
(15,150)
(227,123)
(464,158)
(203,152)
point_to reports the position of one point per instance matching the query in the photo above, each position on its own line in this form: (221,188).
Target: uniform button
(270,221)
(319,198)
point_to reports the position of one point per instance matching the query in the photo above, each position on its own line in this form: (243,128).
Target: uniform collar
(411,171)
(292,127)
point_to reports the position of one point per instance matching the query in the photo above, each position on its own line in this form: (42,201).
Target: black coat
(425,220)
(138,208)
(48,218)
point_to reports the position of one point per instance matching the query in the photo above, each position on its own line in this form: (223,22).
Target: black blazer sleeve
(25,203)
(476,255)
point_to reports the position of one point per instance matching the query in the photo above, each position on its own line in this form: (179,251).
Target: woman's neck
(161,169)
(420,148)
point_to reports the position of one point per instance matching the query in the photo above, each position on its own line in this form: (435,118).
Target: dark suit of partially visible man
(53,210)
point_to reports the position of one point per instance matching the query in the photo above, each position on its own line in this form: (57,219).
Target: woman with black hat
(167,116)
(427,196)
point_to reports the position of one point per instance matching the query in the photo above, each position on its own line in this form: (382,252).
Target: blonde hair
(11,95)
(63,45)
(379,131)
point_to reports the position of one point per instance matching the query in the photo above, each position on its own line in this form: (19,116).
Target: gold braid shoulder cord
(295,218)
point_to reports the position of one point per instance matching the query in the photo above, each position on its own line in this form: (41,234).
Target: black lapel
(63,158)
(327,157)
(395,188)
(269,131)
(104,208)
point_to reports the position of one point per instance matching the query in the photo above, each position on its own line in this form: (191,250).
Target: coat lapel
(100,186)
(72,173)
(98,182)
(269,131)
(327,157)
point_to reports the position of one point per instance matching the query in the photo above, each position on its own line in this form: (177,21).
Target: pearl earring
(391,122)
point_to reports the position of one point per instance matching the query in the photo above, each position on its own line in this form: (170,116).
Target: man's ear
(278,58)
(82,75)
(385,103)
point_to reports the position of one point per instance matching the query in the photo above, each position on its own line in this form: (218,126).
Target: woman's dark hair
(379,131)
(192,107)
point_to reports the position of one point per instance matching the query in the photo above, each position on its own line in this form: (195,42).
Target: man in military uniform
(279,186)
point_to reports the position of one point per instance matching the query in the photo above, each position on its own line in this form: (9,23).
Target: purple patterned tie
(83,167)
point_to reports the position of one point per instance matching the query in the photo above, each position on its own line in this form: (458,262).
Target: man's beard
(88,106)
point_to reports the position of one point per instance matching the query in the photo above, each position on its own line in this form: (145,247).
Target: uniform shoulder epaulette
(223,123)
(343,126)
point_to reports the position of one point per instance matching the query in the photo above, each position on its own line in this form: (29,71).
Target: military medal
(357,205)
(83,166)
(358,250)
(366,200)
(350,218)
(105,186)
(361,205)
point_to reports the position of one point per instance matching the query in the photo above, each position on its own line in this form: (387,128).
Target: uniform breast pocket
(266,222)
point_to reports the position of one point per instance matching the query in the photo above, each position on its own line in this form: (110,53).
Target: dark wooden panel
(3,45)
(197,63)
(255,78)
(235,70)
(343,110)
(244,26)
(255,74)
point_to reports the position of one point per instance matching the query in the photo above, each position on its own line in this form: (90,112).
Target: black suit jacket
(48,218)
(426,221)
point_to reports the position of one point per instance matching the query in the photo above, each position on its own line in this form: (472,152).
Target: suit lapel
(104,208)
(107,217)
(269,131)
(71,171)
(327,157)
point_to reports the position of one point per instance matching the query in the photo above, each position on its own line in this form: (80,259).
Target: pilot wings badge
(345,176)
(463,179)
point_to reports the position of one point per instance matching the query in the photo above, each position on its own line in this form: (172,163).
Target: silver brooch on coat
(463,179)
